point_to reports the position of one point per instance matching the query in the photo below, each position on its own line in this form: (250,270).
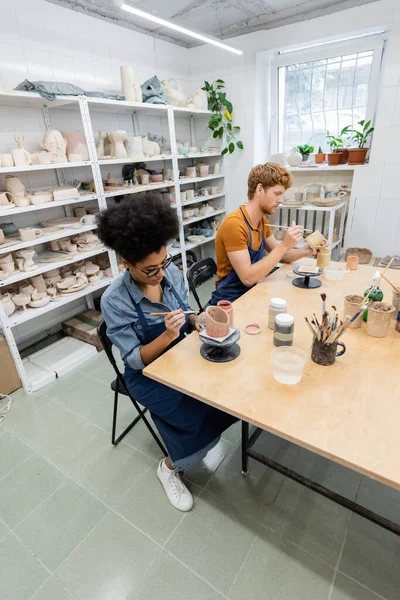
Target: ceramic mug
(214,191)
(88,219)
(190,172)
(183,196)
(326,354)
(6,198)
(352,262)
(29,234)
(190,194)
(6,160)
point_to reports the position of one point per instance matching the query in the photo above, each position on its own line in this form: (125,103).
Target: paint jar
(283,330)
(277,306)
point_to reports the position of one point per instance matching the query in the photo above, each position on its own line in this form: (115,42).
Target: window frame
(325,51)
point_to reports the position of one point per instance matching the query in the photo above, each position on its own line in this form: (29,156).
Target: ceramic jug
(294,159)
(175,95)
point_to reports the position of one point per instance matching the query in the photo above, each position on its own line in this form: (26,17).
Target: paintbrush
(285,227)
(185,312)
(311,328)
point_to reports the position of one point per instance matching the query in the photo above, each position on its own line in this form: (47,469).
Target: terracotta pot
(364,254)
(352,305)
(333,159)
(344,155)
(217,322)
(228,308)
(378,319)
(320,158)
(357,156)
(352,262)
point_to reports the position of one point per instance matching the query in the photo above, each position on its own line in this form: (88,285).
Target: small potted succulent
(305,151)
(320,156)
(358,155)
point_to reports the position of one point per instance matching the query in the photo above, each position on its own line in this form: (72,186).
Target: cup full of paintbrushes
(326,332)
(325,354)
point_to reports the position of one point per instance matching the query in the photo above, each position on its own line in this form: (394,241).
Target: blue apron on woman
(230,287)
(185,424)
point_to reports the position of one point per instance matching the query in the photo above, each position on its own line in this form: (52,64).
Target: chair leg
(149,427)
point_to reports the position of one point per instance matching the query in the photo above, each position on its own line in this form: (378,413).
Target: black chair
(118,387)
(199,273)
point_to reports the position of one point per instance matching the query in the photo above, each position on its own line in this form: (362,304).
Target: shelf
(199,199)
(189,180)
(326,168)
(62,233)
(44,267)
(127,161)
(21,99)
(181,111)
(190,246)
(107,105)
(139,188)
(199,155)
(33,207)
(314,208)
(21,316)
(29,168)
(201,218)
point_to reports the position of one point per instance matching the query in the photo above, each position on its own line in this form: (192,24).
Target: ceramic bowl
(217,322)
(156,178)
(21,299)
(45,299)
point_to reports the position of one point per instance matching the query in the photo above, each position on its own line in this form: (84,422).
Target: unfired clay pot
(8,304)
(352,263)
(228,308)
(379,318)
(352,305)
(315,239)
(76,144)
(217,322)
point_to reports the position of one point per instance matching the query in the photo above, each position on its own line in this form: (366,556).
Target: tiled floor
(80,519)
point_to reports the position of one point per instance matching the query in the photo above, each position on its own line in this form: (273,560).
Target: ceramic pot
(28,255)
(343,155)
(217,168)
(76,144)
(217,322)
(204,170)
(378,319)
(352,262)
(315,239)
(144,179)
(190,194)
(39,283)
(117,139)
(228,308)
(193,150)
(190,172)
(352,304)
(357,156)
(156,178)
(8,305)
(183,197)
(294,159)
(323,257)
(320,158)
(333,159)
(27,289)
(6,160)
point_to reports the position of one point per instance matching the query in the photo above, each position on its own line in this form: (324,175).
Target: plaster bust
(55,144)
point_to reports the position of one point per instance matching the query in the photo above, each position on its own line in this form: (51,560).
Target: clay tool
(185,312)
(396,289)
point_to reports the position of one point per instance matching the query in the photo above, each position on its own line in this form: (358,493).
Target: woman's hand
(174,321)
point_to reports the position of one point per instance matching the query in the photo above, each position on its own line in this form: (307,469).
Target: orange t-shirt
(233,235)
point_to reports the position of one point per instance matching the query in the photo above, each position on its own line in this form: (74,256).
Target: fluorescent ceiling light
(170,25)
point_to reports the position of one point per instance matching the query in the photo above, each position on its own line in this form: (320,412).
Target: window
(323,89)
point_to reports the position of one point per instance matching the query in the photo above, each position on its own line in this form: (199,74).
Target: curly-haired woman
(138,231)
(245,236)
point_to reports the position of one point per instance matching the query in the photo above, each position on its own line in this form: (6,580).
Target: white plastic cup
(288,364)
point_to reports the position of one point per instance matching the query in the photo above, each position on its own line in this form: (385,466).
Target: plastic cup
(288,364)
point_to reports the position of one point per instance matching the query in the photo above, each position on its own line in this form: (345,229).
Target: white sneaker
(176,491)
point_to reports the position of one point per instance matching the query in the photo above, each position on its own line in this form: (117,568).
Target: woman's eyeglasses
(154,272)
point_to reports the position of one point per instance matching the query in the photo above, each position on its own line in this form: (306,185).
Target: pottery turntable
(220,351)
(305,279)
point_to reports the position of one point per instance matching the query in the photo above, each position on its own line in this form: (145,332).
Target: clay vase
(352,304)
(117,139)
(15,186)
(217,322)
(204,170)
(379,320)
(228,308)
(130,86)
(352,262)
(294,159)
(190,172)
(76,144)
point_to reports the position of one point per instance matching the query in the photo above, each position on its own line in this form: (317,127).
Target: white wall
(376,187)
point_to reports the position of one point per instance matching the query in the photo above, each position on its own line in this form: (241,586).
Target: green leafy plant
(361,136)
(306,149)
(221,121)
(337,142)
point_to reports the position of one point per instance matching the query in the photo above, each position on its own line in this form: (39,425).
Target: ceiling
(218,18)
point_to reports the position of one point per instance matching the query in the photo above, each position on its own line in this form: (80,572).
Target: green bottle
(376,296)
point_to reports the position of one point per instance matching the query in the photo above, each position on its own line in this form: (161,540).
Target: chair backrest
(198,273)
(105,340)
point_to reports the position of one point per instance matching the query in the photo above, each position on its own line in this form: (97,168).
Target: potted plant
(221,119)
(334,144)
(305,151)
(345,137)
(358,155)
(320,156)
(337,146)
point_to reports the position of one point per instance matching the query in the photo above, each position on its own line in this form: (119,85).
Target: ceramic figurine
(134,147)
(150,148)
(175,95)
(117,139)
(55,144)
(100,145)
(294,159)
(200,100)
(21,157)
(130,87)
(76,144)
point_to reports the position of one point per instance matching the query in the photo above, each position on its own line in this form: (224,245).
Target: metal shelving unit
(88,108)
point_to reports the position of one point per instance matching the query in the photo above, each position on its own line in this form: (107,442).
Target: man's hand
(174,321)
(293,236)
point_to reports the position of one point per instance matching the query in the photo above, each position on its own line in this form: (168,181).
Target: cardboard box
(9,378)
(84,327)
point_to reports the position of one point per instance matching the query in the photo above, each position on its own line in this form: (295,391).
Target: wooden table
(348,412)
